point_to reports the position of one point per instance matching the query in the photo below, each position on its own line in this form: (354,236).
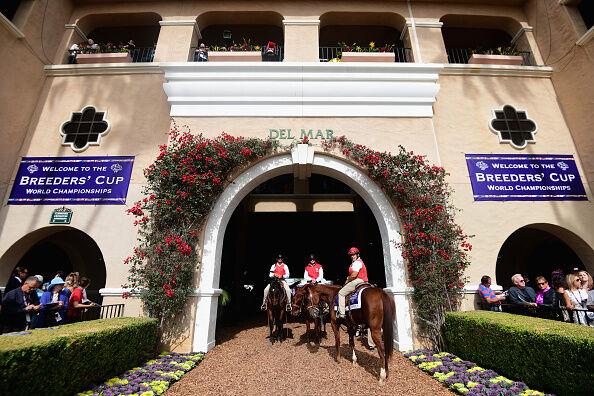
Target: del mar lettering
(305,133)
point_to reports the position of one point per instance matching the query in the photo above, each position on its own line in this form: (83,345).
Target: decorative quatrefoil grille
(513,127)
(84,128)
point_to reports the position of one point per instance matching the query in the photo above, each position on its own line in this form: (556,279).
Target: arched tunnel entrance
(318,215)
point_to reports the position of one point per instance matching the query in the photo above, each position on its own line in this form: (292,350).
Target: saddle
(353,300)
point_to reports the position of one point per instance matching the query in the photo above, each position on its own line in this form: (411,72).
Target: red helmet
(353,250)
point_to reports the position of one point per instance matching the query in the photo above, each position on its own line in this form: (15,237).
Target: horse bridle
(311,306)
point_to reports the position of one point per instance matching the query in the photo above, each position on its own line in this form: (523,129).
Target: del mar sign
(300,134)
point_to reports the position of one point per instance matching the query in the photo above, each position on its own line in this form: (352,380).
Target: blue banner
(516,177)
(72,180)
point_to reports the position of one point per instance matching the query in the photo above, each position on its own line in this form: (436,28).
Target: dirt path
(244,363)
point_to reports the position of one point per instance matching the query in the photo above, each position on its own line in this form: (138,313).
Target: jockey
(357,275)
(313,271)
(278,270)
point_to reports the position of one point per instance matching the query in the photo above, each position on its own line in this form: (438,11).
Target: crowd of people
(30,303)
(569,298)
(90,47)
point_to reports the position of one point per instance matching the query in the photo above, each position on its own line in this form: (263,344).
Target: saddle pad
(355,301)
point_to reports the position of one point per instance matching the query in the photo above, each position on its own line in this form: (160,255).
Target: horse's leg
(376,334)
(317,327)
(279,325)
(307,322)
(271,324)
(352,343)
(336,330)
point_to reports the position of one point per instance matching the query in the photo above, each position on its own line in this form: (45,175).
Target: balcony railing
(329,53)
(462,55)
(277,55)
(139,54)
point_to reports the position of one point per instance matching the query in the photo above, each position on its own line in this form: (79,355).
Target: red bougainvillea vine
(182,185)
(434,247)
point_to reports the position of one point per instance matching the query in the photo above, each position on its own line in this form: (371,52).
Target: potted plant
(103,53)
(496,56)
(244,52)
(372,53)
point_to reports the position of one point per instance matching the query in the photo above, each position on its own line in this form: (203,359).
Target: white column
(206,319)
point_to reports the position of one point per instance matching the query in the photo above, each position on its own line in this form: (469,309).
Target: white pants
(287,290)
(346,290)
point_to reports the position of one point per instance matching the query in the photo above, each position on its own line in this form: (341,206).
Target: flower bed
(153,378)
(466,377)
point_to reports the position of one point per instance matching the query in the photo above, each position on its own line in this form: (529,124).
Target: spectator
(590,301)
(16,280)
(492,298)
(558,284)
(71,282)
(59,274)
(545,294)
(527,281)
(54,302)
(520,294)
(130,46)
(75,303)
(201,54)
(73,51)
(574,299)
(40,287)
(586,280)
(18,305)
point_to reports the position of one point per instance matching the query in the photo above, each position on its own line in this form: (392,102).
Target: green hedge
(68,359)
(548,355)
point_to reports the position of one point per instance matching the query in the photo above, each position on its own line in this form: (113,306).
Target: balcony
(275,54)
(463,55)
(329,54)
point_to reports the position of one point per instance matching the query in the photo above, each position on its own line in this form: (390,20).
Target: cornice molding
(292,89)
(425,24)
(102,69)
(301,22)
(497,70)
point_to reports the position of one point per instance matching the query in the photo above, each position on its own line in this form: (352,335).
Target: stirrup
(264,307)
(340,316)
(289,307)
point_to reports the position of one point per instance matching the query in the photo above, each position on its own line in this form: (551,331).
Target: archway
(49,249)
(301,160)
(540,249)
(295,217)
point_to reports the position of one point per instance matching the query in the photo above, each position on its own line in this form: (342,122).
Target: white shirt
(357,265)
(286,275)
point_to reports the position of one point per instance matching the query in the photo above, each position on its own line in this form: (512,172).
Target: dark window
(320,184)
(282,184)
(586,9)
(84,128)
(513,126)
(9,8)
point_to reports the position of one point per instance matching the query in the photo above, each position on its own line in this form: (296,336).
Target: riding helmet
(312,256)
(279,256)
(353,250)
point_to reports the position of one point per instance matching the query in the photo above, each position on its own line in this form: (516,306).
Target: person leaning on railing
(75,303)
(492,298)
(575,299)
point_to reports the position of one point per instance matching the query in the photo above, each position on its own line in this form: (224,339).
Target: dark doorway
(253,239)
(534,252)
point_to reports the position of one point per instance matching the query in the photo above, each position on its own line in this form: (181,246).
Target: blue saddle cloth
(354,300)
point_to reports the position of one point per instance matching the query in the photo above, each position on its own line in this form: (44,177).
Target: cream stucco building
(430,100)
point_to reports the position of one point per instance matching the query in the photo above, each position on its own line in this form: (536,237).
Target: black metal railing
(100,311)
(139,54)
(462,55)
(328,53)
(268,55)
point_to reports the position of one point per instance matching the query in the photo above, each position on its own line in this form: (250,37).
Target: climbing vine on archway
(191,171)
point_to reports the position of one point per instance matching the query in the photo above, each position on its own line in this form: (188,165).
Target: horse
(308,304)
(276,303)
(377,312)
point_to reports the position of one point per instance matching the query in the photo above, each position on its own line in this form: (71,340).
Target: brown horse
(276,303)
(308,304)
(377,312)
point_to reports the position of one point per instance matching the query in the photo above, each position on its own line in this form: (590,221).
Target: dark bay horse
(377,312)
(307,303)
(276,303)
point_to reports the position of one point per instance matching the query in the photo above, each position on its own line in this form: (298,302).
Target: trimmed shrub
(552,356)
(65,360)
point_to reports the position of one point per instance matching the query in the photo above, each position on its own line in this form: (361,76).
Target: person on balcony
(201,53)
(74,49)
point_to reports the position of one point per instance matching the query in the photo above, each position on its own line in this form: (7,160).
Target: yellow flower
(471,384)
(372,44)
(358,48)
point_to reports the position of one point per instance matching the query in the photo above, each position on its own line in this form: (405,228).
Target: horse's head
(307,299)
(277,292)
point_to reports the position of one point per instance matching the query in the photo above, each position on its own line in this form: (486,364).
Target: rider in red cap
(357,275)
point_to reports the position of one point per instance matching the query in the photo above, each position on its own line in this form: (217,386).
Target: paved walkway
(244,363)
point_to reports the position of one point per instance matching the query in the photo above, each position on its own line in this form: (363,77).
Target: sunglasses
(521,280)
(541,283)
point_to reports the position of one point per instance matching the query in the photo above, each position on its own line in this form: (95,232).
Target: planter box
(480,59)
(116,57)
(368,57)
(234,56)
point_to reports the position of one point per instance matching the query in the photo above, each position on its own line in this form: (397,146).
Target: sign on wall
(516,177)
(72,180)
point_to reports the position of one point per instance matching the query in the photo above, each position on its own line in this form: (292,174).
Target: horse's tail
(388,325)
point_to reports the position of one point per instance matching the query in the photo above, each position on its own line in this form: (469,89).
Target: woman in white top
(574,299)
